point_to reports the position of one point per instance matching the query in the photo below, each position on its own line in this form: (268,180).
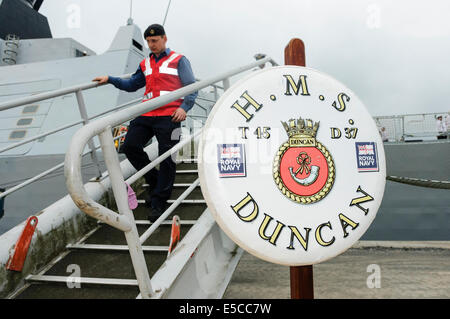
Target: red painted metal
(174,234)
(302,285)
(17,259)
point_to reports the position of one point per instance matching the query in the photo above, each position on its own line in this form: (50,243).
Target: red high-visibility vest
(161,78)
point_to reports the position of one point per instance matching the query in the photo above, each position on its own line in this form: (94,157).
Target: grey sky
(394,54)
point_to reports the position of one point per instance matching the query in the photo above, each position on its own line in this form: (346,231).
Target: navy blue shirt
(137,80)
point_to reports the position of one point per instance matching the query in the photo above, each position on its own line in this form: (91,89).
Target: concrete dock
(368,270)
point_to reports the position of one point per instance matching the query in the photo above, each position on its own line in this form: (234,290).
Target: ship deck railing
(84,119)
(411,127)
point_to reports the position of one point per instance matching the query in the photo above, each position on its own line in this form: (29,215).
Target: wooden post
(302,286)
(294,53)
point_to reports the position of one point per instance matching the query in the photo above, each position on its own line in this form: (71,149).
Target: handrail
(83,135)
(64,127)
(77,89)
(43,174)
(59,129)
(36,137)
(146,235)
(102,127)
(122,116)
(405,115)
(48,95)
(132,179)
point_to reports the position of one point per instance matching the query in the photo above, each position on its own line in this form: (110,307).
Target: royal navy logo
(366,156)
(303,168)
(231,160)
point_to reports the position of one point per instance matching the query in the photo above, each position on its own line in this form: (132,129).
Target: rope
(420,182)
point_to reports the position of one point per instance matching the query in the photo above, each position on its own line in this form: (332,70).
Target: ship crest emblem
(303,169)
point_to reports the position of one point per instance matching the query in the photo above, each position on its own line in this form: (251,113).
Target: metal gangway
(99,262)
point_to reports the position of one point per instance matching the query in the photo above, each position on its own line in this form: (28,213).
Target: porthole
(17,135)
(23,122)
(30,109)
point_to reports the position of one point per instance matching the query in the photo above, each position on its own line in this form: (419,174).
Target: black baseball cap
(154,29)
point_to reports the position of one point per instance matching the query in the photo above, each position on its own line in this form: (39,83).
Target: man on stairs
(162,72)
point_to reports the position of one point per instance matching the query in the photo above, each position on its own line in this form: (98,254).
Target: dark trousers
(140,131)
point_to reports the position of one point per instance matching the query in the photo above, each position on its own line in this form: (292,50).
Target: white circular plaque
(291,165)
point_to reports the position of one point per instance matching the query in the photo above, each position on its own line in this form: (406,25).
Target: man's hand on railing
(179,115)
(101,79)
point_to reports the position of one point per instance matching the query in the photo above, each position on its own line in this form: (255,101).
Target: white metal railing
(51,94)
(399,128)
(77,90)
(64,127)
(44,173)
(102,128)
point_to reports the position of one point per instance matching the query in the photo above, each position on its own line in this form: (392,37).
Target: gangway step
(187,171)
(165,223)
(185,177)
(83,280)
(189,201)
(114,247)
(187,161)
(186,201)
(174,185)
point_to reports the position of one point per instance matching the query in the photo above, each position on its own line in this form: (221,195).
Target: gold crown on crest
(301,132)
(301,128)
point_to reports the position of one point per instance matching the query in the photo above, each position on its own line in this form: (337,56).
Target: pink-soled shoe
(132,199)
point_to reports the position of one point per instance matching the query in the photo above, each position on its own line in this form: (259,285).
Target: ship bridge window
(30,109)
(137,45)
(15,135)
(23,122)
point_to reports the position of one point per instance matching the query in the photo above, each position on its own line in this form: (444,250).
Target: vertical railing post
(302,286)
(226,84)
(403,127)
(85,118)
(121,196)
(216,94)
(397,139)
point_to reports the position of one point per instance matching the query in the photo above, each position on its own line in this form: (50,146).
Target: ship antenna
(167,11)
(130,19)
